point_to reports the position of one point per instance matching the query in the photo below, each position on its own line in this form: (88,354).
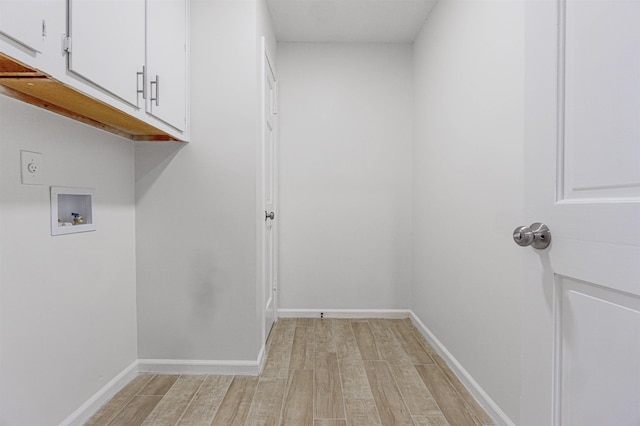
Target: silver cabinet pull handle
(537,235)
(271,215)
(155,98)
(142,74)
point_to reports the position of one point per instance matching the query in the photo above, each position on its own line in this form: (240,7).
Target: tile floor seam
(191,400)
(395,381)
(115,416)
(435,401)
(375,403)
(253,397)
(286,390)
(455,389)
(215,412)
(313,392)
(344,405)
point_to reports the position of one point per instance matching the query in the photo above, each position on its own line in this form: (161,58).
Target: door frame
(266,61)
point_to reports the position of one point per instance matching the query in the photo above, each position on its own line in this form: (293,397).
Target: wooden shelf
(34,87)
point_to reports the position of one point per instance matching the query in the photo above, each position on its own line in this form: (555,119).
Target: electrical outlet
(31,167)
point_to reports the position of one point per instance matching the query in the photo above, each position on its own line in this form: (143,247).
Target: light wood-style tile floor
(329,372)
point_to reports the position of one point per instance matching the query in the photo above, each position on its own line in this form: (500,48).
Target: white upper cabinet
(25,22)
(107,45)
(120,65)
(166,61)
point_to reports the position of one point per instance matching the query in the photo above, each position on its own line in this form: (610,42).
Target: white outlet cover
(31,167)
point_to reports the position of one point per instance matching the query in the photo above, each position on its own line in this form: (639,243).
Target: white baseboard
(165,366)
(93,404)
(262,358)
(472,386)
(345,313)
(188,366)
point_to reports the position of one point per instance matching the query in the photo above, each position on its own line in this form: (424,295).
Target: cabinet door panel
(22,21)
(108,44)
(166,60)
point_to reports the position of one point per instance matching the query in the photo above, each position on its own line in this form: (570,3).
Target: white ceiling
(394,21)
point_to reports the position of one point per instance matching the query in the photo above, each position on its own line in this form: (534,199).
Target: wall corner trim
(108,391)
(472,386)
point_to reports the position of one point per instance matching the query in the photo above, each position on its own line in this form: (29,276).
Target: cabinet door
(108,46)
(166,61)
(24,21)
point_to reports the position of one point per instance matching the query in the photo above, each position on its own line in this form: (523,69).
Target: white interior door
(581,300)
(269,166)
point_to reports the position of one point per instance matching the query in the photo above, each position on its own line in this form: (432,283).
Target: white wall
(345,175)
(468,188)
(197,214)
(67,303)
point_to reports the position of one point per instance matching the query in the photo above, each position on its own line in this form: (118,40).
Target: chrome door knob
(271,215)
(523,236)
(537,235)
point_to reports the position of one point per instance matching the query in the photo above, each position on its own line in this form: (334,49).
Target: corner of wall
(467,157)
